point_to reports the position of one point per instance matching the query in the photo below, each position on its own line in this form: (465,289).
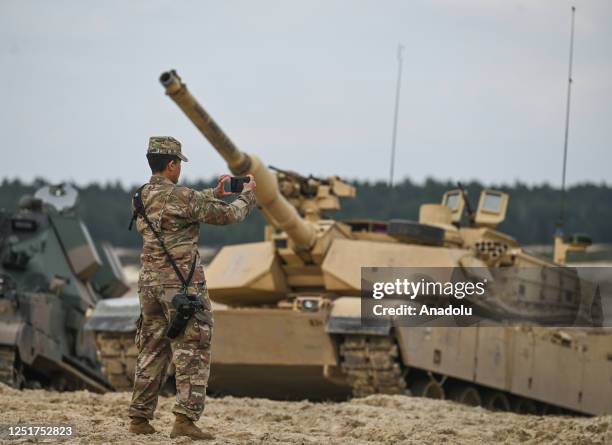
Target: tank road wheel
(372,365)
(427,388)
(496,401)
(468,395)
(524,406)
(11,368)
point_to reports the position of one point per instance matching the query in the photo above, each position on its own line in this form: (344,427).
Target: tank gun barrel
(275,207)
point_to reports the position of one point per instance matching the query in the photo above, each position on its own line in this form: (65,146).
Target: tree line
(532,215)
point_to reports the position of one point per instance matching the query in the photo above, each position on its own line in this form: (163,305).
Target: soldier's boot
(140,425)
(184,426)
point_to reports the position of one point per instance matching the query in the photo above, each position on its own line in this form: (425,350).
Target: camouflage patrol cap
(165,145)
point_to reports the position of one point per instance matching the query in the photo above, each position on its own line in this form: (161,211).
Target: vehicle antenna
(561,222)
(400,61)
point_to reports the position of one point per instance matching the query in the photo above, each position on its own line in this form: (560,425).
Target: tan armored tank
(290,324)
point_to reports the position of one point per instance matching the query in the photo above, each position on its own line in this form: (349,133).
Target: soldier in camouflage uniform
(176,213)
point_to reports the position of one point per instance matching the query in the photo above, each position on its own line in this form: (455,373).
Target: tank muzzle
(170,81)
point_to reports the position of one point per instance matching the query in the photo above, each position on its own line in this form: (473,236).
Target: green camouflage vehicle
(51,277)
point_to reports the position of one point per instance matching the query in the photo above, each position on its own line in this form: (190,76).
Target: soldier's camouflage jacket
(176,212)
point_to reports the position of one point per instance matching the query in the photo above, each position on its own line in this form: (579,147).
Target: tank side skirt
(372,365)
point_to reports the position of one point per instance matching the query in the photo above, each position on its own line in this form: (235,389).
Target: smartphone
(236,184)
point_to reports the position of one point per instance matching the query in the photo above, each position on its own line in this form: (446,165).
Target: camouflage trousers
(190,353)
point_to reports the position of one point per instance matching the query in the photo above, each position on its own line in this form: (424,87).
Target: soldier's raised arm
(205,208)
(208,193)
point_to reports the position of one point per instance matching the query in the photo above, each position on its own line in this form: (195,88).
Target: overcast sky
(308,86)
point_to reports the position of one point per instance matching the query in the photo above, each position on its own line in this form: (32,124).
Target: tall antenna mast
(400,61)
(567,116)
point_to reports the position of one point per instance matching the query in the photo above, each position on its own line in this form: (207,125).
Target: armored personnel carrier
(51,277)
(290,324)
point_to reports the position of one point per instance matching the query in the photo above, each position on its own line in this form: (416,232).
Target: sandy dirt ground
(100,419)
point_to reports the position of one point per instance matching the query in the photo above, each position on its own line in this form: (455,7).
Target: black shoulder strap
(139,209)
(135,212)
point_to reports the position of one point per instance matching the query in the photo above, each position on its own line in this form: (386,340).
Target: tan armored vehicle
(289,323)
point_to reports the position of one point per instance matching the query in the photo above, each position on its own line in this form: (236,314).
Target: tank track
(9,375)
(117,353)
(372,365)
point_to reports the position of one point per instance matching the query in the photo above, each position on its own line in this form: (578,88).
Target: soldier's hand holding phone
(229,185)
(251,185)
(220,189)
